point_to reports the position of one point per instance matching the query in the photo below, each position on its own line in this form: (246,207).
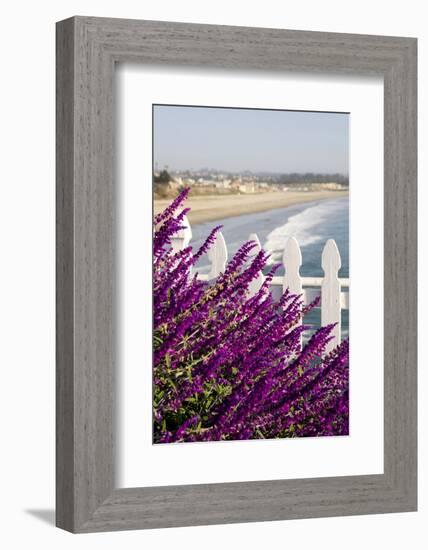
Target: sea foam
(308,226)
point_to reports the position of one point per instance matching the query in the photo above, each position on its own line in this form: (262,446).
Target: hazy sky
(249,139)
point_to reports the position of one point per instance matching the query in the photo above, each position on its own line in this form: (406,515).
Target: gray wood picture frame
(87,51)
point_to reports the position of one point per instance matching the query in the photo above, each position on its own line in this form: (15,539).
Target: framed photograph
(236,274)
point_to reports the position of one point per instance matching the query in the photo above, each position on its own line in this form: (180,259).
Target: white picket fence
(334,291)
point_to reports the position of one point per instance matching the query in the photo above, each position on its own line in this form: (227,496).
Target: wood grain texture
(64,277)
(87,49)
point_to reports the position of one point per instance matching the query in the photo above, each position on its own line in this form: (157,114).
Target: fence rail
(334,291)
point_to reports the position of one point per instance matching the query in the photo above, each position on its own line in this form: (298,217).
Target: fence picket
(217,255)
(292,260)
(183,237)
(330,290)
(260,279)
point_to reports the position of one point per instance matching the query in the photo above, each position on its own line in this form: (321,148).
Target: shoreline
(216,207)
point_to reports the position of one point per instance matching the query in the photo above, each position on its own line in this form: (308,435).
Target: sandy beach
(215,207)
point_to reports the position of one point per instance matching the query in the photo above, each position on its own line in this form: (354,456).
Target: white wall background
(27,272)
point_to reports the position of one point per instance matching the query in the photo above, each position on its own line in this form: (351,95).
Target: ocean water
(311,224)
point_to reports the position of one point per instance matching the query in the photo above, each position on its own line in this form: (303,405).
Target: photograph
(250,273)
